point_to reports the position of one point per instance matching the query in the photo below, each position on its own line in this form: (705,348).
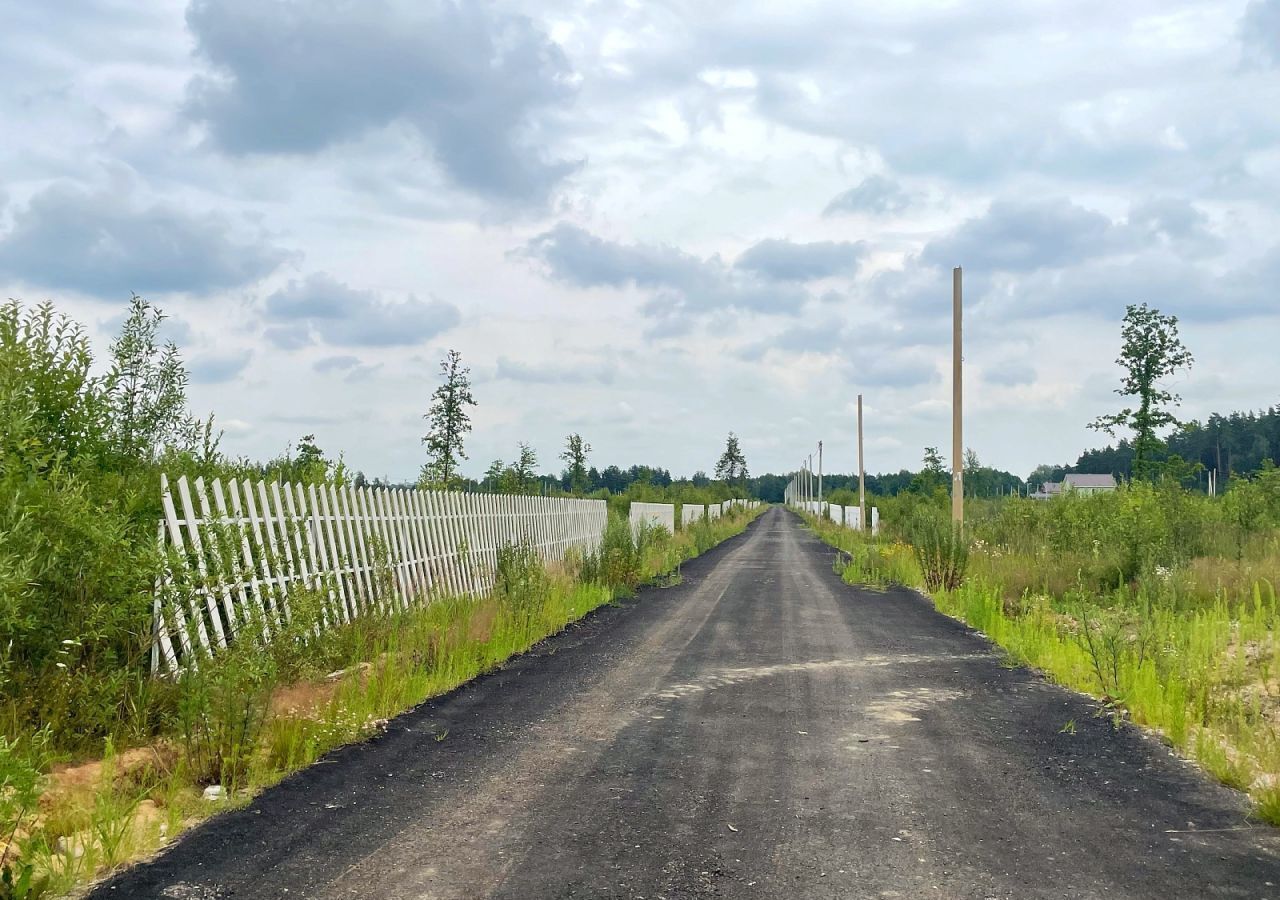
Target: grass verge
(242,723)
(1204,674)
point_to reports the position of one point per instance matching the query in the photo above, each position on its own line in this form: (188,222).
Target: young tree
(933,476)
(1151,352)
(522,470)
(146,390)
(448,423)
(575,454)
(493,475)
(731,468)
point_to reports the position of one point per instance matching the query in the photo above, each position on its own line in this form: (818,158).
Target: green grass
(252,717)
(1202,668)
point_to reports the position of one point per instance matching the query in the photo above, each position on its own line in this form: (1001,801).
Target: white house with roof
(1078,483)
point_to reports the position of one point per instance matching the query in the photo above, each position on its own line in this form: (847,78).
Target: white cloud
(654,223)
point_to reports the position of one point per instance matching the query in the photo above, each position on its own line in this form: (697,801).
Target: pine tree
(731,468)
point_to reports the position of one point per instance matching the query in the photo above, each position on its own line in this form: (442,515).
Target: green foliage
(520,477)
(575,455)
(941,549)
(1150,353)
(932,479)
(145,392)
(79,462)
(617,561)
(448,424)
(731,468)
(1157,600)
(522,584)
(21,763)
(307,464)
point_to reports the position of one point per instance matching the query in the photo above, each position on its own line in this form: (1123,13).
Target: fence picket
(202,569)
(216,559)
(255,598)
(224,516)
(338,541)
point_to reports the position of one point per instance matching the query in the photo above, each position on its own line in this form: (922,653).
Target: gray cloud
(1020,236)
(902,369)
(882,353)
(555,373)
(1260,31)
(467,79)
(875,194)
(1151,115)
(106,244)
(683,287)
(1176,221)
(1008,374)
(336,364)
(1160,276)
(781,260)
(577,257)
(218,368)
(345,317)
(823,337)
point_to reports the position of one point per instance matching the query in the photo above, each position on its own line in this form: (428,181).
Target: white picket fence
(236,550)
(655,515)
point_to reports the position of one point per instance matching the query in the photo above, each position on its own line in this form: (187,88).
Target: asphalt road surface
(760,730)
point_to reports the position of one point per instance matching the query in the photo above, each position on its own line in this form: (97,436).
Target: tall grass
(1159,602)
(256,713)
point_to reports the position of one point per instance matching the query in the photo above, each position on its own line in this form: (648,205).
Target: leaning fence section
(236,551)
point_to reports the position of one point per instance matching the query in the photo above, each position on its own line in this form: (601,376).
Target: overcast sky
(652,222)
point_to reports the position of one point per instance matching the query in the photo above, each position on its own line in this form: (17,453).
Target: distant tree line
(1238,444)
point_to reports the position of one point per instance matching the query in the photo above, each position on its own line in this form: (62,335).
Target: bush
(941,550)
(617,562)
(79,502)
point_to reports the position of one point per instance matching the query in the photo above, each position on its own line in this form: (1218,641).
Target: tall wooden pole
(810,471)
(862,475)
(819,477)
(957,402)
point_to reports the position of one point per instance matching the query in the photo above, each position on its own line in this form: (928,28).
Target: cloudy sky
(655,221)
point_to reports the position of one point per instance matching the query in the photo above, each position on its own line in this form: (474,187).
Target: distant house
(1084,484)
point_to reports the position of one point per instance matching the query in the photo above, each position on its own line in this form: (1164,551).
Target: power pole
(819,477)
(810,471)
(862,474)
(957,402)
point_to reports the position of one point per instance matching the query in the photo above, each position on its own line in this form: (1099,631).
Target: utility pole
(862,474)
(810,471)
(957,402)
(819,477)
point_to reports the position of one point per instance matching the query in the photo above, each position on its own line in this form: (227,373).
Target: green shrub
(617,561)
(941,549)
